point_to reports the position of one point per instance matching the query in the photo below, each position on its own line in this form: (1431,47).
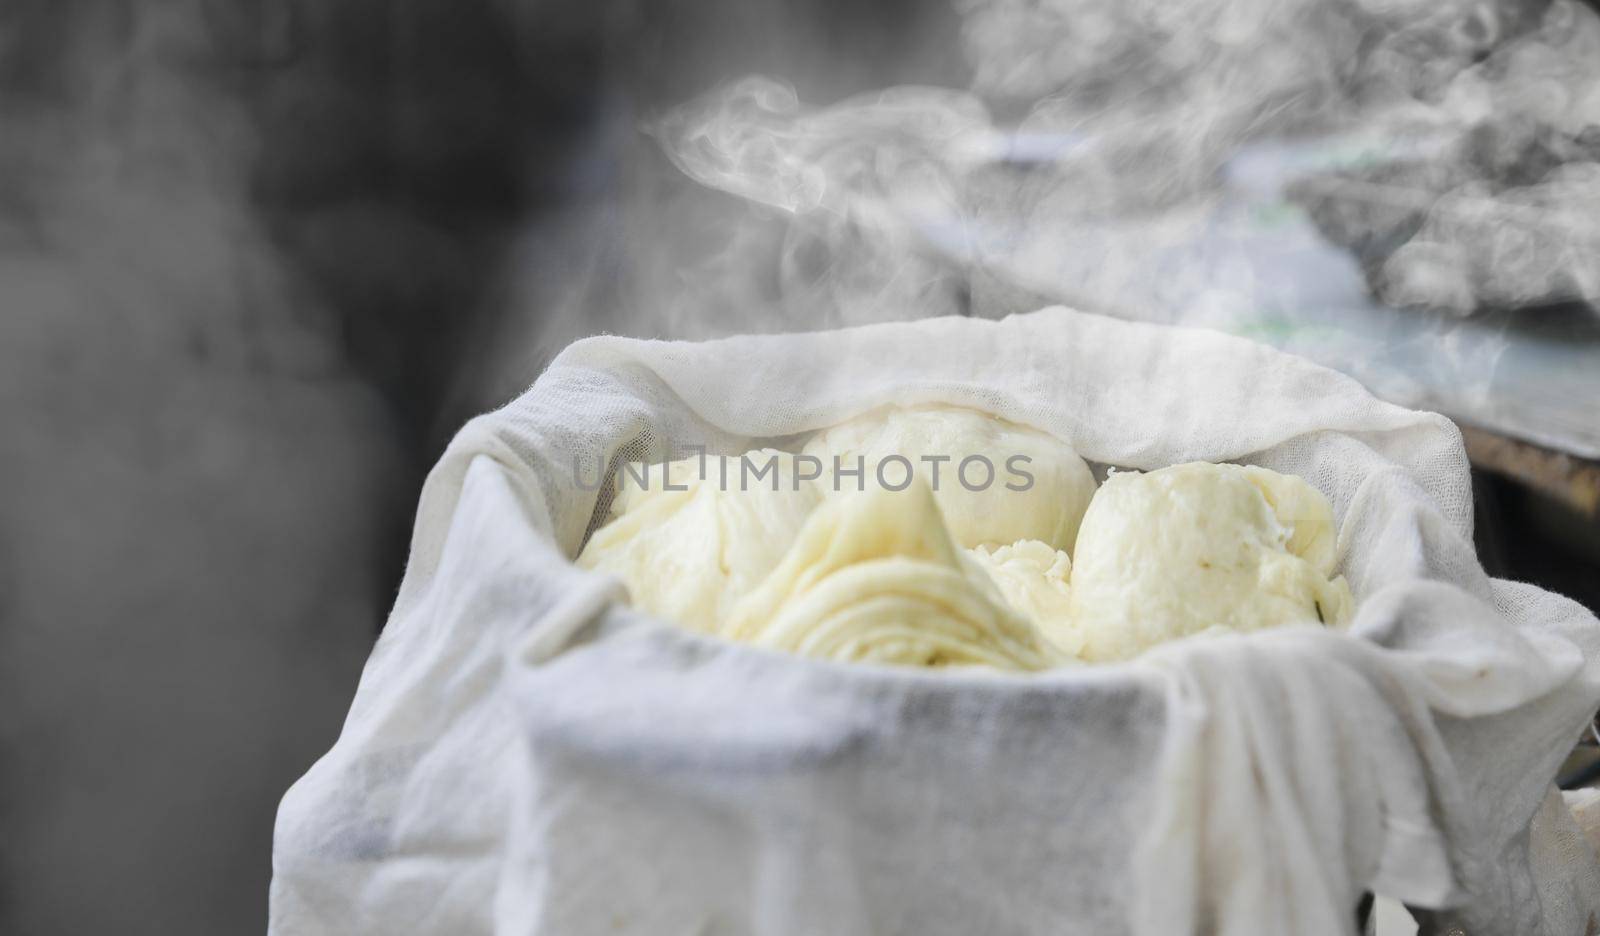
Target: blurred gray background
(258,260)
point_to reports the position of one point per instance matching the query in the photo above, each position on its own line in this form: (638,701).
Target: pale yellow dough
(1034,579)
(875,577)
(689,555)
(882,575)
(1186,549)
(1048,511)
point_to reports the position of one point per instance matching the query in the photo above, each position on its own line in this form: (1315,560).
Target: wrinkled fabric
(526,754)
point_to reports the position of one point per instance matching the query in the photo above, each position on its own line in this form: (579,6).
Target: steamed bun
(1198,546)
(689,555)
(874,576)
(1048,511)
(1034,579)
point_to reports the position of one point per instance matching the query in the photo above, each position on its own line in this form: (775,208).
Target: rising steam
(1449,146)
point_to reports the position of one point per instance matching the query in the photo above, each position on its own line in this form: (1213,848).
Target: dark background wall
(258,260)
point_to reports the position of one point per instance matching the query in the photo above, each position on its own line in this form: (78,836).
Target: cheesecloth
(525,754)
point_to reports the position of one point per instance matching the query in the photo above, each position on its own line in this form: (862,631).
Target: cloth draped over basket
(526,754)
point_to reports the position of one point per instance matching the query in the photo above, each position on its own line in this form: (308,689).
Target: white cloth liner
(526,754)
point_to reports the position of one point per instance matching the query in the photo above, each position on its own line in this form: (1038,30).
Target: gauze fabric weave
(525,754)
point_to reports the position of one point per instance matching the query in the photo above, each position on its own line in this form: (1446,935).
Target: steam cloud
(1450,147)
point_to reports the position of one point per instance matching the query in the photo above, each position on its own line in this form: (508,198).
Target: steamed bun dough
(1034,579)
(689,555)
(1049,511)
(875,576)
(882,575)
(1186,549)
